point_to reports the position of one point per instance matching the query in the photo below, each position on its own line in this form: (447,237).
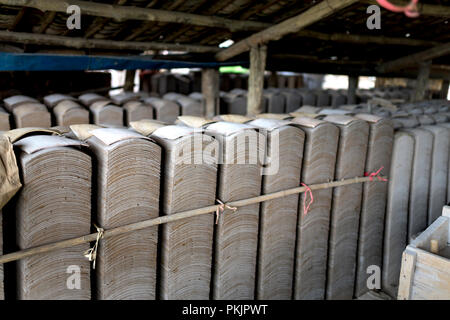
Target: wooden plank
(81,43)
(121,13)
(407,274)
(431,277)
(294,24)
(437,230)
(258,57)
(416,58)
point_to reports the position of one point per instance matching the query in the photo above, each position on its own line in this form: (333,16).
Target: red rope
(409,10)
(375,174)
(305,207)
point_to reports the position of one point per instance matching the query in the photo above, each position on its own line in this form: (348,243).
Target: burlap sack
(9,172)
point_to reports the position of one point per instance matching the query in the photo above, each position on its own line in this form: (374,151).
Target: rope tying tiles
(372,175)
(91,253)
(221,208)
(306,207)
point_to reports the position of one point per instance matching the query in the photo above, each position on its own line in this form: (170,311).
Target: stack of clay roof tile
(188,105)
(136,110)
(346,206)
(395,233)
(189,182)
(28,112)
(127,192)
(319,159)
(164,110)
(4,120)
(236,235)
(371,225)
(54,204)
(106,114)
(278,217)
(66,110)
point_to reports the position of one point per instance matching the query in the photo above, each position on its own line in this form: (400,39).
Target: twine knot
(372,175)
(91,253)
(221,208)
(307,207)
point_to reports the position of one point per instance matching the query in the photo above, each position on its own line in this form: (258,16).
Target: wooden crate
(425,272)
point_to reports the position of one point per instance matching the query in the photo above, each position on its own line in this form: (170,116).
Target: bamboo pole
(320,11)
(122,13)
(82,43)
(173,217)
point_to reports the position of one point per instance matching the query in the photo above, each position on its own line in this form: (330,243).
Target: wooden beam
(258,55)
(294,24)
(46,21)
(99,23)
(352,87)
(422,81)
(210,91)
(146,26)
(81,43)
(416,58)
(95,27)
(316,59)
(363,39)
(311,64)
(424,9)
(17,19)
(122,13)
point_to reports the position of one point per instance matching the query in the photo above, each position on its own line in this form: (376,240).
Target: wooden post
(291,82)
(210,90)
(422,80)
(258,56)
(273,80)
(444,89)
(129,80)
(352,86)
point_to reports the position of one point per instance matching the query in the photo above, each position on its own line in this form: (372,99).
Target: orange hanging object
(410,10)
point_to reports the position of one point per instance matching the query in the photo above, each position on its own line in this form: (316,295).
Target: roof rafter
(122,13)
(321,10)
(82,43)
